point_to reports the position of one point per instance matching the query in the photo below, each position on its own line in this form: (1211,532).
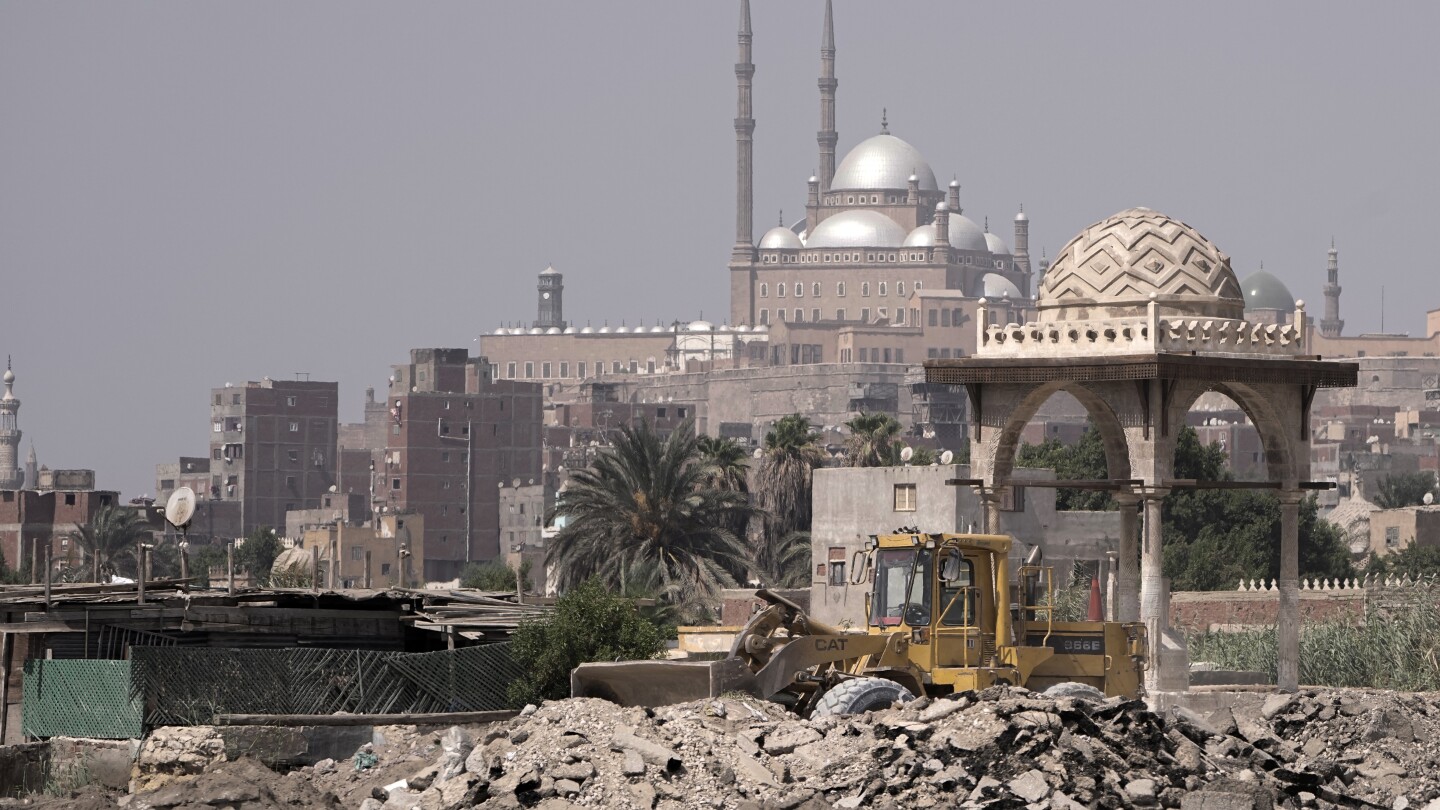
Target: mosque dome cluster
(883,162)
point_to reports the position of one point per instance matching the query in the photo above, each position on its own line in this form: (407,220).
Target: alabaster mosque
(885,271)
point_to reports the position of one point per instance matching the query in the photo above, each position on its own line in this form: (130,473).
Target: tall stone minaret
(550,289)
(744,250)
(10,475)
(1022,247)
(1331,325)
(827,136)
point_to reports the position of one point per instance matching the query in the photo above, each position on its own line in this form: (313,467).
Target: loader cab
(941,592)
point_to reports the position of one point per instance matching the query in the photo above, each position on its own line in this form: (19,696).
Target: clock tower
(551,286)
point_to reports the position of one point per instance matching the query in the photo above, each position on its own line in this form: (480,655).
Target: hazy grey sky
(196,193)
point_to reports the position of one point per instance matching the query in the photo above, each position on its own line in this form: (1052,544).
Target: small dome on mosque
(550,271)
(996,245)
(569,330)
(997,286)
(922,236)
(587,330)
(1265,291)
(1020,217)
(740,327)
(1125,259)
(700,326)
(883,162)
(622,330)
(658,328)
(965,234)
(779,238)
(554,330)
(535,330)
(856,228)
(9,376)
(604,330)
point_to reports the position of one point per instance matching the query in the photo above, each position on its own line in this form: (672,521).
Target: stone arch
(1265,405)
(1000,445)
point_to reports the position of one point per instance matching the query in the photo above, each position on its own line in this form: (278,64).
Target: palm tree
(726,468)
(782,482)
(111,532)
(872,441)
(642,516)
(781,562)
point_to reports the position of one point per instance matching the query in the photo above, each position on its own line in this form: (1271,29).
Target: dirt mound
(243,784)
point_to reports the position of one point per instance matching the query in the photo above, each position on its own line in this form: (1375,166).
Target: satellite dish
(947,457)
(181,507)
(333,489)
(907,454)
(758,452)
(1429,498)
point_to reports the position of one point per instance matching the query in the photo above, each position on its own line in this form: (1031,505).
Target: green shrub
(492,575)
(588,624)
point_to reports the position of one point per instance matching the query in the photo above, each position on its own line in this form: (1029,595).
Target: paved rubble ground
(1001,748)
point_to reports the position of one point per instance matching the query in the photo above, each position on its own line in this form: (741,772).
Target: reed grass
(1391,648)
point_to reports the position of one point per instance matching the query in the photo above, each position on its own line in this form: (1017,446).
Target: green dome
(1264,291)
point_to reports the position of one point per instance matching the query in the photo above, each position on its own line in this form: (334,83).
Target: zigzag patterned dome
(1114,267)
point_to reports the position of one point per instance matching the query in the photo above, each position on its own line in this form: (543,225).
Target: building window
(290,401)
(899,355)
(815,289)
(933,353)
(799,316)
(293,456)
(839,289)
(290,481)
(899,316)
(884,313)
(904,497)
(917,285)
(529,370)
(294,427)
(884,288)
(839,314)
(394,483)
(509,371)
(215,454)
(837,574)
(764,316)
(234,399)
(815,314)
(545,370)
(580,369)
(649,366)
(779,314)
(887,355)
(680,413)
(615,365)
(634,366)
(780,290)
(357,553)
(764,290)
(899,288)
(445,455)
(799,290)
(865,289)
(1392,536)
(865,315)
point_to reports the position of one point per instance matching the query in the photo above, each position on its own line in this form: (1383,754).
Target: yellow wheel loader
(942,617)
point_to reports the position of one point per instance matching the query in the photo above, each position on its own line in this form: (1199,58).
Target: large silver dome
(778,238)
(996,245)
(966,235)
(857,228)
(883,162)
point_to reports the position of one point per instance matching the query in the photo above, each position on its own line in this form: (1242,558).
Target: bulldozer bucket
(659,683)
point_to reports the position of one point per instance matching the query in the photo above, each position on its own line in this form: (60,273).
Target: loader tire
(861,695)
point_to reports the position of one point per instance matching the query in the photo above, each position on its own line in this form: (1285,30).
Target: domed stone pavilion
(1138,317)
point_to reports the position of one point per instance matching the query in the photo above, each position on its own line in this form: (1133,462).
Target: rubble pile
(1001,748)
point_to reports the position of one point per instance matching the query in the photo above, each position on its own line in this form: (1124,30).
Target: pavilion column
(1153,598)
(991,500)
(1127,586)
(1287,667)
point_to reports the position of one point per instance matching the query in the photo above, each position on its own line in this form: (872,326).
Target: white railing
(1340,585)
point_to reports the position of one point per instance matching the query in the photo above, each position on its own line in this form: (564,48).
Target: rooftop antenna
(884,121)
